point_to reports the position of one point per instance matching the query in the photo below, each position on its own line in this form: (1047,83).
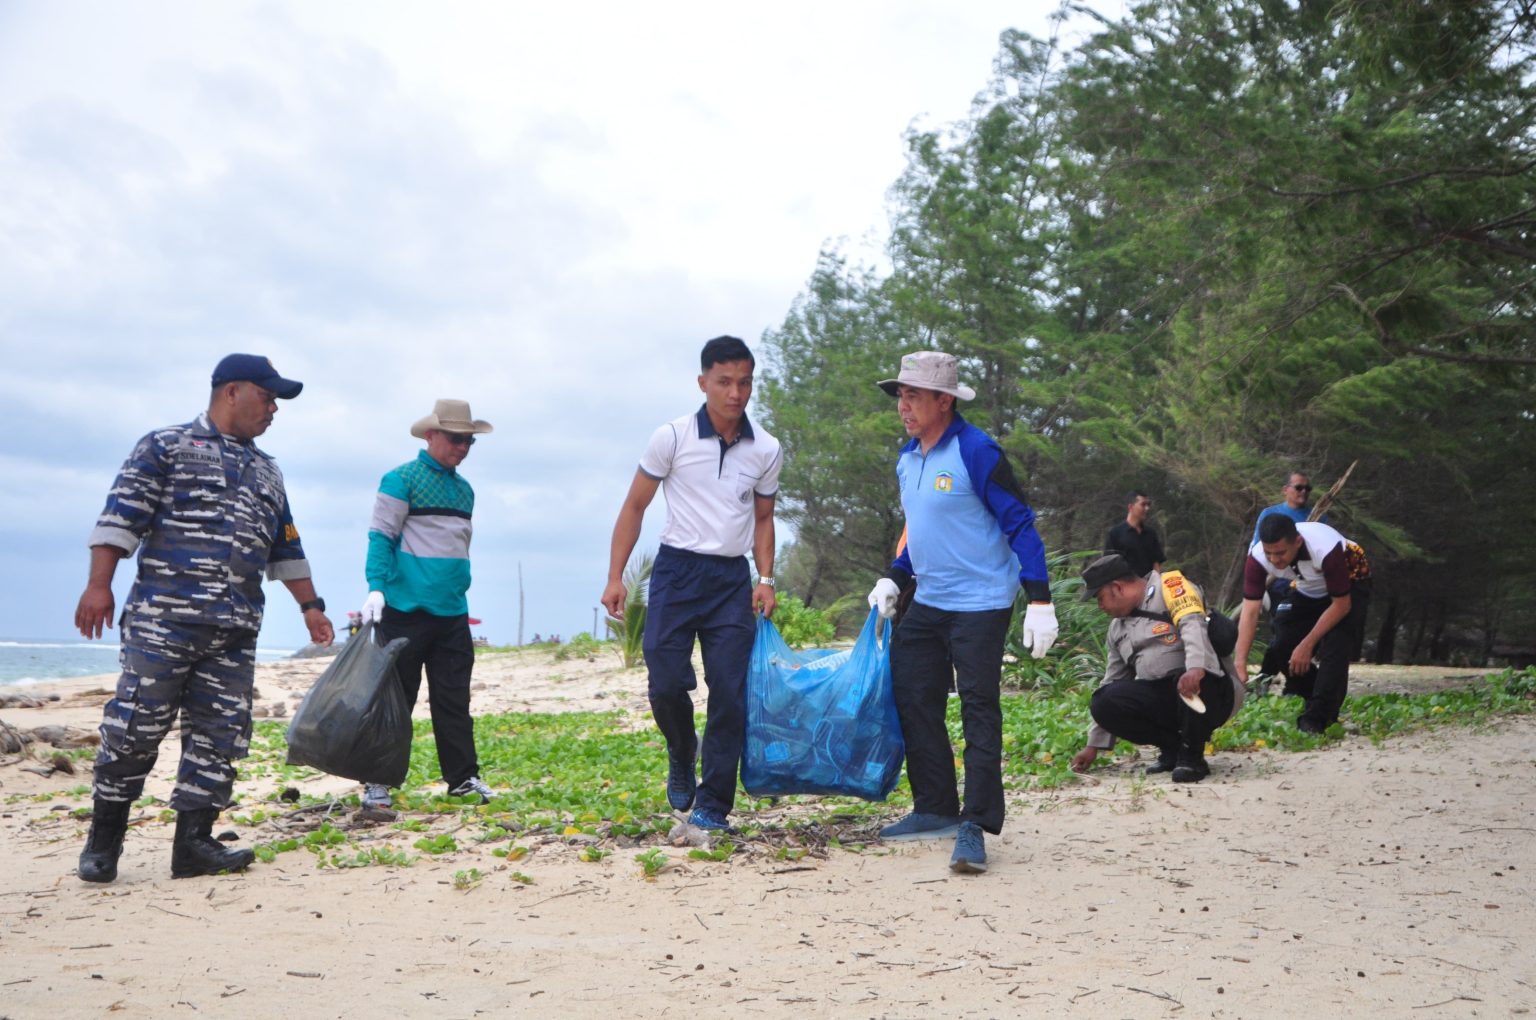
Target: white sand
(1354,880)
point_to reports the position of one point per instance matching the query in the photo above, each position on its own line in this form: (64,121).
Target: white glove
(882,598)
(373,607)
(1039,628)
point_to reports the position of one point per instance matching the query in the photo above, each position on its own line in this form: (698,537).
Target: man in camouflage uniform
(208,514)
(1164,684)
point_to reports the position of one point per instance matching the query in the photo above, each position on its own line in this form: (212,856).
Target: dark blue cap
(254,368)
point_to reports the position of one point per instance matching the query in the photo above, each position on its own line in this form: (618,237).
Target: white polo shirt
(709,486)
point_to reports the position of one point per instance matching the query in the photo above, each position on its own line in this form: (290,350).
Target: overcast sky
(543,209)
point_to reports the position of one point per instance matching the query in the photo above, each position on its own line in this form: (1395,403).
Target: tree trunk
(1386,638)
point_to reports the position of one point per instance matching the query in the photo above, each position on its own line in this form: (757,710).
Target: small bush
(802,626)
(582,646)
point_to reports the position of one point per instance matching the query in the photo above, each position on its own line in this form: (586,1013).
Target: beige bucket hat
(450,416)
(929,370)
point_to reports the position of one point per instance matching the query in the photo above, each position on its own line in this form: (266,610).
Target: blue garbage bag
(821,721)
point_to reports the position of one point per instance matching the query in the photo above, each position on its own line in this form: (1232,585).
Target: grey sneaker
(376,796)
(473,787)
(918,825)
(970,850)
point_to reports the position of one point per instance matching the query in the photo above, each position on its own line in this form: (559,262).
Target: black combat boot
(196,852)
(109,821)
(1167,758)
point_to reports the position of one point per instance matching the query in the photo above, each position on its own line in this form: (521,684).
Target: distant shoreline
(27,662)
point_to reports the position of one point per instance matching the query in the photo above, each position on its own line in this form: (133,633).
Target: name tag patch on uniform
(194,450)
(944,482)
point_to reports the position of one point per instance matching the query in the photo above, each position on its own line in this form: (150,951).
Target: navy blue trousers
(693,595)
(931,648)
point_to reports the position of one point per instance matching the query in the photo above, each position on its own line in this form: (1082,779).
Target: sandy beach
(1391,881)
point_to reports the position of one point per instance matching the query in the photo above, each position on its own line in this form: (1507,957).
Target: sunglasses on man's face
(1302,488)
(459,438)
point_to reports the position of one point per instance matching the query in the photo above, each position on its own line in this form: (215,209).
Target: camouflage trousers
(203,672)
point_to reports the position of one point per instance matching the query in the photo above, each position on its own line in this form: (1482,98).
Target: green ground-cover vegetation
(592,782)
(593,779)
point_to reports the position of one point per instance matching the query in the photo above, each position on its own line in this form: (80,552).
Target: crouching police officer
(207,512)
(1164,683)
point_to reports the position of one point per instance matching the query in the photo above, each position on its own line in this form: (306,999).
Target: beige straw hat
(450,416)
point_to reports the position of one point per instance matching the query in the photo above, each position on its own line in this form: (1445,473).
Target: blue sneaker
(918,825)
(704,818)
(970,850)
(681,783)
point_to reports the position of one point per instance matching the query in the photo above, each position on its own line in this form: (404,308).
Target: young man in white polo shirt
(721,475)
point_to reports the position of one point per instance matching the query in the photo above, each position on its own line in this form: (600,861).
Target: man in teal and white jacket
(418,574)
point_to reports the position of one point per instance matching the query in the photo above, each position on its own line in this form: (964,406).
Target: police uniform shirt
(709,484)
(1145,649)
(209,517)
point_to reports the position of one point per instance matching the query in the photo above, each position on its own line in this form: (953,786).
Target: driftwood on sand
(14,740)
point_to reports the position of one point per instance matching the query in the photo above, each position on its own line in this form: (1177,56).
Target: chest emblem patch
(944,482)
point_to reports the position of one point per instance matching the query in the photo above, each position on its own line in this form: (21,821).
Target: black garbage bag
(355,722)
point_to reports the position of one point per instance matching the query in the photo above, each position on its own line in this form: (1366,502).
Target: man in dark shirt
(1134,538)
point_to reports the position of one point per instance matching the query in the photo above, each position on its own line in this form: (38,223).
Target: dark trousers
(931,649)
(693,595)
(1324,685)
(443,646)
(205,673)
(1151,712)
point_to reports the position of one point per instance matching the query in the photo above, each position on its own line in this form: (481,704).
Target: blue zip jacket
(971,538)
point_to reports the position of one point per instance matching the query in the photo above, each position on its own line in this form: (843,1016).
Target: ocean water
(29,661)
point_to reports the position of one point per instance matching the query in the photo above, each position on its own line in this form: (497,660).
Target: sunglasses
(1302,488)
(459,438)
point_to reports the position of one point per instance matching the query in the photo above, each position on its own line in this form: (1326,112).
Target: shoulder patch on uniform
(1181,596)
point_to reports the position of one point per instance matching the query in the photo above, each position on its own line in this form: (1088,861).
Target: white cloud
(544,210)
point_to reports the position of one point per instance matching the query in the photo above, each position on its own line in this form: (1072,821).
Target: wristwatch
(765,580)
(314,603)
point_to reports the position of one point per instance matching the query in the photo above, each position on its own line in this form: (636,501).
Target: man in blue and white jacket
(971,544)
(418,574)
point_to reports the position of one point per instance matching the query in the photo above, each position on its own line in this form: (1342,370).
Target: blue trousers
(708,598)
(207,674)
(930,649)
